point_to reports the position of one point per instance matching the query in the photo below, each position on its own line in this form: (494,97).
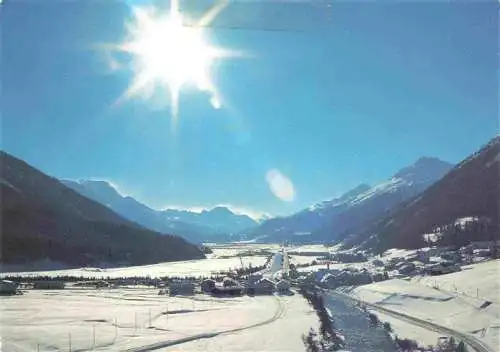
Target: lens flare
(280,185)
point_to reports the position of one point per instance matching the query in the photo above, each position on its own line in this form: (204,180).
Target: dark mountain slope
(42,218)
(471,189)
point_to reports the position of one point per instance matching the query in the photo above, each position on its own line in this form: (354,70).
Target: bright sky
(341,93)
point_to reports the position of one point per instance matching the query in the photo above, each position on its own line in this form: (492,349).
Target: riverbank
(474,316)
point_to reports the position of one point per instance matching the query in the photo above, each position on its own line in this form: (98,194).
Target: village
(271,281)
(261,280)
(354,268)
(328,269)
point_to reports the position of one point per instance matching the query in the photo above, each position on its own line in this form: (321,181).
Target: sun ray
(167,54)
(212,13)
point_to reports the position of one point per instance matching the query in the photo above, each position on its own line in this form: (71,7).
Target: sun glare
(167,54)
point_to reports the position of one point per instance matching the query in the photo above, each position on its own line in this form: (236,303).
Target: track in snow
(280,310)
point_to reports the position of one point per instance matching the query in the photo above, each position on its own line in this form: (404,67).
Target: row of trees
(129,280)
(328,339)
(458,235)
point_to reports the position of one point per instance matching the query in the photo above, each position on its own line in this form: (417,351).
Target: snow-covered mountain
(220,219)
(469,193)
(334,219)
(194,226)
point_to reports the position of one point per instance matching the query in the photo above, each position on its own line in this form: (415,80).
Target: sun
(167,54)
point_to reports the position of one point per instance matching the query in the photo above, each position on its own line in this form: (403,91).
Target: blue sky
(331,95)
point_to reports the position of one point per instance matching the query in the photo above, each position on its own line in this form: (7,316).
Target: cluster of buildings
(333,278)
(441,260)
(424,261)
(8,287)
(254,284)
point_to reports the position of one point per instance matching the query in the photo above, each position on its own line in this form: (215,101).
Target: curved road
(473,342)
(280,309)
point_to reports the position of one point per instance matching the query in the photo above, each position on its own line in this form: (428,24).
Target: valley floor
(140,320)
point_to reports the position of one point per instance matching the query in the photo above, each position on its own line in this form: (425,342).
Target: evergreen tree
(461,347)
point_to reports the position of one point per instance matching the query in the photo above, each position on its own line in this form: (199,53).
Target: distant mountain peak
(221,210)
(423,170)
(191,224)
(334,219)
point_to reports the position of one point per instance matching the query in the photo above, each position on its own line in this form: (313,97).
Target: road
(474,343)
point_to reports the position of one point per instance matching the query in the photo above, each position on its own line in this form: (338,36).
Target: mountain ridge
(194,226)
(44,219)
(470,189)
(329,220)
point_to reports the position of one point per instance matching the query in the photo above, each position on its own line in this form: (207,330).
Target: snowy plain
(199,267)
(121,319)
(135,319)
(223,258)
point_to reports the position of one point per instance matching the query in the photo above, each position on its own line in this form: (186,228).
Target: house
(377,277)
(412,257)
(182,288)
(425,254)
(406,269)
(482,252)
(48,285)
(330,281)
(228,282)
(207,285)
(441,269)
(400,264)
(8,287)
(101,284)
(221,290)
(320,273)
(362,278)
(451,255)
(254,278)
(484,244)
(283,286)
(262,287)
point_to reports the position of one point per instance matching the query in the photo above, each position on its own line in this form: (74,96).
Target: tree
(461,347)
(452,344)
(310,341)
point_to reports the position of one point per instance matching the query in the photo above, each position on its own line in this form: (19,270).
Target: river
(360,335)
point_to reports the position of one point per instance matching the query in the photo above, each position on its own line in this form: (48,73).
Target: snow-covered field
(454,310)
(283,335)
(338,266)
(478,280)
(234,250)
(201,267)
(309,248)
(121,319)
(409,331)
(138,319)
